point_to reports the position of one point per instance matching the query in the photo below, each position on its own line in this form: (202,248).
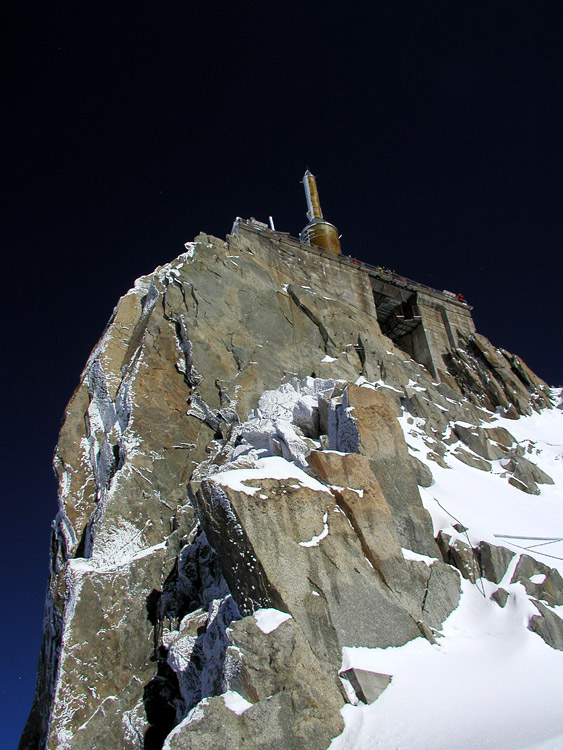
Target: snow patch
(415,386)
(316,540)
(269,619)
(235,702)
(408,554)
(190,249)
(273,467)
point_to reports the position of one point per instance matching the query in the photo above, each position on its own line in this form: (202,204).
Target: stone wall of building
(443,320)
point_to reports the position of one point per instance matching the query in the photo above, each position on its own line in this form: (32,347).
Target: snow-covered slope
(489,682)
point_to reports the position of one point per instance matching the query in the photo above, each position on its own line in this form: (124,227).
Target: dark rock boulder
(500,596)
(461,555)
(550,582)
(493,378)
(470,459)
(424,476)
(548,626)
(477,440)
(494,561)
(526,475)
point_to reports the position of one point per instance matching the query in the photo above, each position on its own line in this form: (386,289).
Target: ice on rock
(292,445)
(306,415)
(283,422)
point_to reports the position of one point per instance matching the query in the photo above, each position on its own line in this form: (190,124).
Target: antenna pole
(312,196)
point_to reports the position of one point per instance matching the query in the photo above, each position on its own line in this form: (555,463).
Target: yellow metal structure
(318,232)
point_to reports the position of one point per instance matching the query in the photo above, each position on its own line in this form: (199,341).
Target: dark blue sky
(434,130)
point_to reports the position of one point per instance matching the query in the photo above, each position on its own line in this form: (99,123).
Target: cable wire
(473,553)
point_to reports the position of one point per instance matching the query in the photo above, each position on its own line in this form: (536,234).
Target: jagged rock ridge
(248,355)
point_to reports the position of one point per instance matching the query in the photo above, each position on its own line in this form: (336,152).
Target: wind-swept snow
(491,508)
(489,682)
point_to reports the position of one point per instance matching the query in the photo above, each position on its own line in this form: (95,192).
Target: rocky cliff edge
(235,451)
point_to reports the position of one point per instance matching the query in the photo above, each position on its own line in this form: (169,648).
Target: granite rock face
(293,701)
(233,354)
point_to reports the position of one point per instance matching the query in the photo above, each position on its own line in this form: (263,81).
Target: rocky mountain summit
(240,474)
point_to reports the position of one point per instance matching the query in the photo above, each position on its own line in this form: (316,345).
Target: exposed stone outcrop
(365,422)
(550,589)
(526,475)
(500,596)
(548,626)
(494,561)
(235,352)
(290,701)
(461,555)
(543,584)
(494,378)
